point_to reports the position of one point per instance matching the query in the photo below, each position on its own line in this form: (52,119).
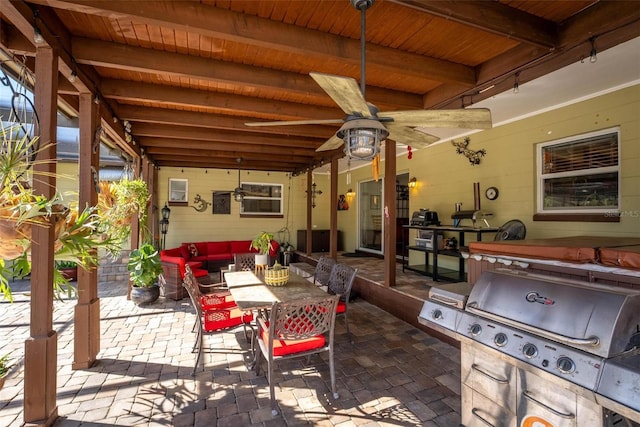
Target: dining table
(250,292)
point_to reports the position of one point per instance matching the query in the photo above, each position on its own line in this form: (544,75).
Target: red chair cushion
(341,308)
(215,320)
(199,272)
(284,347)
(217,300)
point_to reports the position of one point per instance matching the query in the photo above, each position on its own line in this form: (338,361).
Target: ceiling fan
(365,126)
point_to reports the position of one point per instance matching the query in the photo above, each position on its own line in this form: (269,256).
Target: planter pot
(144,296)
(70,273)
(262,259)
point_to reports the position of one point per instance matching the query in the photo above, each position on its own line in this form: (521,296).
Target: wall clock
(491,193)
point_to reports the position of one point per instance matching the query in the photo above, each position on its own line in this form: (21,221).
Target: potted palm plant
(144,269)
(5,366)
(262,243)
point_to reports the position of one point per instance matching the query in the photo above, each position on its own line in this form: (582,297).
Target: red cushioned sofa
(203,258)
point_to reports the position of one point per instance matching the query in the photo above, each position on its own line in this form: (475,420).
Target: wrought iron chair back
(245,261)
(340,283)
(323,270)
(214,313)
(310,319)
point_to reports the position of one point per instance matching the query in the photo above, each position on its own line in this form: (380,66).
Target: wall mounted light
(593,55)
(413,182)
(350,194)
(164,223)
(238,193)
(314,192)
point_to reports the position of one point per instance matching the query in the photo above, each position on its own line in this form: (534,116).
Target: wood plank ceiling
(187,75)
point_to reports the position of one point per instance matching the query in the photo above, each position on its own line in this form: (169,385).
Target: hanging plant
(118,202)
(76,233)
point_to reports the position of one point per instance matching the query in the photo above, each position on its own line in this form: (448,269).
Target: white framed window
(178,191)
(262,199)
(579,174)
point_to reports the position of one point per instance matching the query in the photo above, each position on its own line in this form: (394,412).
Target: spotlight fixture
(413,182)
(238,193)
(593,55)
(516,84)
(362,138)
(37,35)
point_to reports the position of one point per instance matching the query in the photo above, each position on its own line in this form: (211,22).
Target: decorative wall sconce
(164,223)
(350,194)
(413,182)
(314,192)
(200,203)
(473,156)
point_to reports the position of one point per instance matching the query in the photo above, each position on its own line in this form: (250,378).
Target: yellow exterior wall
(444,178)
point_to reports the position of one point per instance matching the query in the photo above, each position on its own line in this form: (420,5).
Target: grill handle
(444,300)
(591,341)
(528,396)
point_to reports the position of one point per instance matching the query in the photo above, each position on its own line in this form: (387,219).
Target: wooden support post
(389,213)
(41,348)
(87,311)
(309,212)
(333,242)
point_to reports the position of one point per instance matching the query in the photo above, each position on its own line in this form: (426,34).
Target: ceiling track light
(516,84)
(593,55)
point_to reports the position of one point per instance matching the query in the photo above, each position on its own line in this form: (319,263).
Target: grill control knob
(475,329)
(529,350)
(566,365)
(437,314)
(500,339)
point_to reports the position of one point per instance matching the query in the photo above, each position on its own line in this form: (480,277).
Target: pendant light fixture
(238,193)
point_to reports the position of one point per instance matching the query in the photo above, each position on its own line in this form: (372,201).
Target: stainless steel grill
(539,349)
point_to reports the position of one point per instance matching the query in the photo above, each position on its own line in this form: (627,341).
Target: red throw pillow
(193,250)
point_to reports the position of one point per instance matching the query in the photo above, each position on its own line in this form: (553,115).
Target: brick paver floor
(393,375)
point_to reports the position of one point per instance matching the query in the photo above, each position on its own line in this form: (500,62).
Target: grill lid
(598,319)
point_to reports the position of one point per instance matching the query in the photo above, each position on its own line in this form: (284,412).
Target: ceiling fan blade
(296,122)
(471,118)
(410,136)
(331,144)
(344,91)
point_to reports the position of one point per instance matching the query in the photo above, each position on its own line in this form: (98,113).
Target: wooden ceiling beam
(255,31)
(187,132)
(493,17)
(232,154)
(131,58)
(218,121)
(214,144)
(215,163)
(235,104)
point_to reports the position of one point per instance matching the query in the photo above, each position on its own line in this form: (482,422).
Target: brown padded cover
(582,249)
(624,256)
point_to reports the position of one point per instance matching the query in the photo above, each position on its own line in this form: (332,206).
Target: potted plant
(262,243)
(5,366)
(68,269)
(144,269)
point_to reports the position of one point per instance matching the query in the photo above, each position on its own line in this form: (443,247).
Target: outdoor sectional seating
(203,258)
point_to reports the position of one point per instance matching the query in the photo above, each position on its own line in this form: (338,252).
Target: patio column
(86,341)
(389,212)
(135,224)
(333,219)
(41,348)
(309,210)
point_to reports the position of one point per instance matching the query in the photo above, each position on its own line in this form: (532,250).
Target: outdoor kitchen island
(540,348)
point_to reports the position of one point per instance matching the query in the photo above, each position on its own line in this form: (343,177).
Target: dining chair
(245,261)
(296,328)
(214,314)
(323,270)
(340,283)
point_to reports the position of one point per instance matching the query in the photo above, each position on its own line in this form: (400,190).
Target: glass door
(370,224)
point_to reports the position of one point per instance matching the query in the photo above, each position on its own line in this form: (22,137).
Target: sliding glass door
(370,224)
